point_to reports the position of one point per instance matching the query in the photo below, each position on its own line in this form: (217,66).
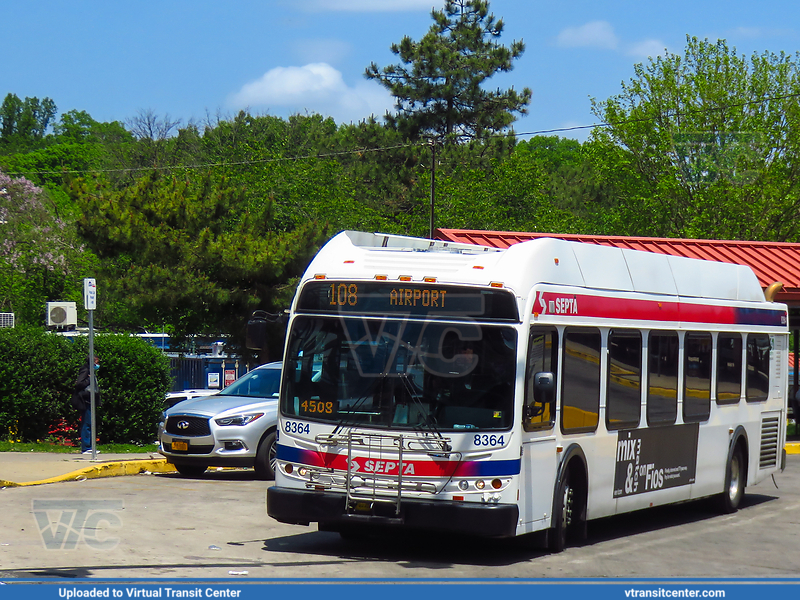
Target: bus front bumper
(301,507)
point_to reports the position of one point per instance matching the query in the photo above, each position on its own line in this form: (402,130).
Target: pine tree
(438,86)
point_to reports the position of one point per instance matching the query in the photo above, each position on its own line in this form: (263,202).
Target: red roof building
(771,261)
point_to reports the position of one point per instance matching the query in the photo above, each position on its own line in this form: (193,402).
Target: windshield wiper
(428,421)
(344,422)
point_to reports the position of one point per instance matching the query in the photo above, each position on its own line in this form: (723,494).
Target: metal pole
(92,385)
(433,181)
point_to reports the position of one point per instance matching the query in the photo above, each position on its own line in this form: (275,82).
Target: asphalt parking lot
(167,526)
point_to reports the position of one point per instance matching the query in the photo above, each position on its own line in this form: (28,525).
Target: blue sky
(200,59)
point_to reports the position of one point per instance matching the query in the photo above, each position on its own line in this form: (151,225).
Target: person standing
(82,401)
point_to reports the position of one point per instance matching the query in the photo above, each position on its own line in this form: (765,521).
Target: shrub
(38,371)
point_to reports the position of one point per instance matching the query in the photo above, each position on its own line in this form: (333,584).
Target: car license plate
(180,446)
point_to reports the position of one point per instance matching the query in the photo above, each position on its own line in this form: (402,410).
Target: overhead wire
(361,150)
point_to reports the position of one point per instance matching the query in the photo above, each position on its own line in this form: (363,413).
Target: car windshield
(400,374)
(258,383)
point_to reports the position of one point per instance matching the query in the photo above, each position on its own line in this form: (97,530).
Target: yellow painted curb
(109,469)
(793,448)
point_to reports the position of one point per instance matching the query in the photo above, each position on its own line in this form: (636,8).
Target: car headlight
(238,419)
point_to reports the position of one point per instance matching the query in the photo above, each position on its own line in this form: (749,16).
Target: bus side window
(542,365)
(697,377)
(758,351)
(729,368)
(624,391)
(580,380)
(662,377)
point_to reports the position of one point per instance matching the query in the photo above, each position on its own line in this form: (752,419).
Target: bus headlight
(480,484)
(463,485)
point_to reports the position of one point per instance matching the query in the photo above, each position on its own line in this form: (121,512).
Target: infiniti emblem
(183,424)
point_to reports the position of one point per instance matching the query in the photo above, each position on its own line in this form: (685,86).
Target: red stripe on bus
(550,303)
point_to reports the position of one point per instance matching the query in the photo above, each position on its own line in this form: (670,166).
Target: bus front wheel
(564,506)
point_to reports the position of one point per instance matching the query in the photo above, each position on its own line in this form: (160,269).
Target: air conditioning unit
(62,314)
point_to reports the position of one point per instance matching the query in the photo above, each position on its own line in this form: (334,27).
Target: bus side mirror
(543,386)
(256,335)
(543,382)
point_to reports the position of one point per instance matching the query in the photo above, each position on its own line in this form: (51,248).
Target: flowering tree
(37,250)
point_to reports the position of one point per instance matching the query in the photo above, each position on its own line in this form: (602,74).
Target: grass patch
(58,448)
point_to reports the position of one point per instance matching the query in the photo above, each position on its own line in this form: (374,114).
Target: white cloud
(315,87)
(597,34)
(647,49)
(370,5)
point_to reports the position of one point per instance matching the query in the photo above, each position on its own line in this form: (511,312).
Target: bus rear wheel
(735,480)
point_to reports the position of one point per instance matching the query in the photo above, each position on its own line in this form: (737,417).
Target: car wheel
(191,470)
(266,457)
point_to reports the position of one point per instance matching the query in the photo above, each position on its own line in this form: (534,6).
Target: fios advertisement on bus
(655,459)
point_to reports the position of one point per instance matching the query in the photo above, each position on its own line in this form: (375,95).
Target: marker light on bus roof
(405,278)
(478,267)
(429,279)
(319,276)
(349,262)
(496,284)
(381,277)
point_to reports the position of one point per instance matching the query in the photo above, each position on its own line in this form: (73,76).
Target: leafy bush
(38,371)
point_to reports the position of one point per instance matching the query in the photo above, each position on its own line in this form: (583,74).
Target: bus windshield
(400,374)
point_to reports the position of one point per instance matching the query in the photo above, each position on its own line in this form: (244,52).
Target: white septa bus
(449,387)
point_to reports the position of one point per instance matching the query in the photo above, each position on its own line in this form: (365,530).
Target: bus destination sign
(411,299)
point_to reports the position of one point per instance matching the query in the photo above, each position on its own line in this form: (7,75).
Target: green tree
(40,253)
(438,84)
(511,196)
(573,182)
(190,254)
(705,145)
(23,123)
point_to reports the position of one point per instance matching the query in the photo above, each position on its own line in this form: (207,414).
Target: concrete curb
(160,465)
(108,469)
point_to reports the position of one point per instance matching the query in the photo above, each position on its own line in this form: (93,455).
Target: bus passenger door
(539,461)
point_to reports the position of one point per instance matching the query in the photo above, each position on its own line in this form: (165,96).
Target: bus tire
(735,480)
(266,457)
(564,505)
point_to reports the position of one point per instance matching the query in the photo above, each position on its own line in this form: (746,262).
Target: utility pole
(432,142)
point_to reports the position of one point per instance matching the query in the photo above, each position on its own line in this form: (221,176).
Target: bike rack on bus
(363,486)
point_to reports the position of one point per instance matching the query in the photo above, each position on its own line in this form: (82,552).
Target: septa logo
(557,305)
